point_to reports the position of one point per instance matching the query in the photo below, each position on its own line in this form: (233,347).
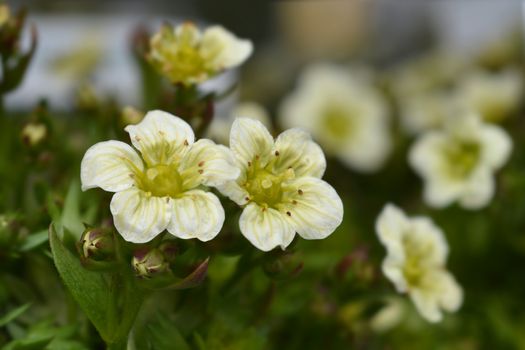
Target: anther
(201,163)
(288,213)
(201,171)
(300,192)
(277,153)
(186,143)
(294,202)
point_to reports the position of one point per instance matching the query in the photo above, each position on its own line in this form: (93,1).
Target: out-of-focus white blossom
(423,74)
(494,96)
(344,113)
(162,187)
(458,162)
(188,56)
(219,129)
(415,263)
(280,186)
(426,111)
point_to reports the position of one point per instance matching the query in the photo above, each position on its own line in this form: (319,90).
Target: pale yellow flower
(344,113)
(415,263)
(186,55)
(161,188)
(280,186)
(458,162)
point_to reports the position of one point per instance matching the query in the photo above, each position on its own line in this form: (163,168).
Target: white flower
(344,113)
(161,188)
(280,186)
(458,163)
(186,55)
(494,96)
(415,263)
(219,129)
(430,72)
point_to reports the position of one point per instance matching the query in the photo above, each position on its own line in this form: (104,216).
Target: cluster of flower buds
(14,60)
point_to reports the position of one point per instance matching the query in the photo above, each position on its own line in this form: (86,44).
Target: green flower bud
(148,262)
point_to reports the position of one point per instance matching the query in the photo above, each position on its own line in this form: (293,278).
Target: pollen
(288,213)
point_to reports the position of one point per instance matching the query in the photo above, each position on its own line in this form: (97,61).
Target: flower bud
(33,133)
(131,115)
(97,244)
(148,262)
(169,249)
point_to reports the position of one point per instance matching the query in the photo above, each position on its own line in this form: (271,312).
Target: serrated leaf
(88,288)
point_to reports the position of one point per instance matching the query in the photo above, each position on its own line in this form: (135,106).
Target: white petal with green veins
(138,216)
(110,165)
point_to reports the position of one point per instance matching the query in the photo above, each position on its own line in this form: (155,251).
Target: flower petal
(478,191)
(390,225)
(294,148)
(313,208)
(250,139)
(451,294)
(497,146)
(160,137)
(430,239)
(234,191)
(197,214)
(139,217)
(438,290)
(265,228)
(221,49)
(427,304)
(209,164)
(110,165)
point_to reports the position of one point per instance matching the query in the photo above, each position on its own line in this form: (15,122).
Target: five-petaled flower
(280,186)
(344,113)
(163,187)
(458,162)
(185,55)
(415,263)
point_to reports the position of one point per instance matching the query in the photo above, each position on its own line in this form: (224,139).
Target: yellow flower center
(336,121)
(161,180)
(416,257)
(178,56)
(462,157)
(264,186)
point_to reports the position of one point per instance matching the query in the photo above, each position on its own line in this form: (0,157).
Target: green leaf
(164,335)
(34,240)
(13,314)
(71,218)
(88,288)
